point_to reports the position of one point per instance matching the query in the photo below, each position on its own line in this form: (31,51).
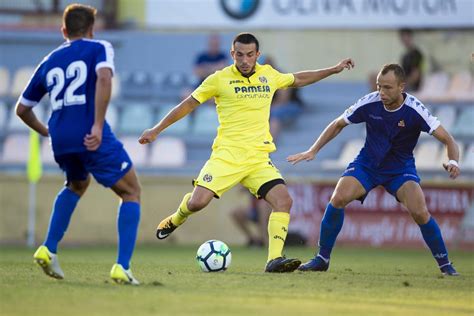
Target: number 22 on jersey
(77,71)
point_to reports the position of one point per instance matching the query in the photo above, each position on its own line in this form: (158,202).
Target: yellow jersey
(243,105)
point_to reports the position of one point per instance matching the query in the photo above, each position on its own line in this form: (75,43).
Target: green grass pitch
(359,282)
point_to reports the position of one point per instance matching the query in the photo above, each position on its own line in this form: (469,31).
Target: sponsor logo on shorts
(207,178)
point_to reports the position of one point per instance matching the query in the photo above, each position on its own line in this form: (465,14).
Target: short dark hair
(397,70)
(246,38)
(78,19)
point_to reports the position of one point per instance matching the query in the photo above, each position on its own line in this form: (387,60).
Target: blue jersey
(391,135)
(68,75)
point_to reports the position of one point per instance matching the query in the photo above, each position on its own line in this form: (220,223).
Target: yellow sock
(182,213)
(277,231)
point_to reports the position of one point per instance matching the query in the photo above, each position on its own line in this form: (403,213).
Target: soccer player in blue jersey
(394,121)
(77,76)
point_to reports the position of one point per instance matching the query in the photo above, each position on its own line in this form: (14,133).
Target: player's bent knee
(283,204)
(420,217)
(132,194)
(195,205)
(339,201)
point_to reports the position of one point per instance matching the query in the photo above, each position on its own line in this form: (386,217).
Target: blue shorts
(107,167)
(370,178)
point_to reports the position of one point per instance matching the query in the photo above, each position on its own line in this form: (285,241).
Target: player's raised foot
(315,264)
(282,265)
(165,228)
(448,269)
(122,276)
(48,261)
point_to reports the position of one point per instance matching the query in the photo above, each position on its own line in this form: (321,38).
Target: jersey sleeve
(105,56)
(354,113)
(282,80)
(429,123)
(35,89)
(207,89)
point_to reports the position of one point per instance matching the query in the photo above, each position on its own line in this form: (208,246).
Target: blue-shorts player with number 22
(77,76)
(394,121)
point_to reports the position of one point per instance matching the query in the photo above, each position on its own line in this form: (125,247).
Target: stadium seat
(169,87)
(4,82)
(427,155)
(447,115)
(463,126)
(434,87)
(136,117)
(15,149)
(461,87)
(350,150)
(137,152)
(168,152)
(20,80)
(205,120)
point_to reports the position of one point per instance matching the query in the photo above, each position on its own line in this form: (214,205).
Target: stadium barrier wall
(94,220)
(379,222)
(383,222)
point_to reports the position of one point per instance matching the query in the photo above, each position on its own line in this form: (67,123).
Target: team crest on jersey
(207,178)
(401,123)
(263,79)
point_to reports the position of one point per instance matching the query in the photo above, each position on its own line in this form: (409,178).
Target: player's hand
(93,140)
(347,63)
(306,155)
(148,136)
(453,170)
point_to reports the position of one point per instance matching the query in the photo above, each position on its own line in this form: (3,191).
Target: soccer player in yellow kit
(240,153)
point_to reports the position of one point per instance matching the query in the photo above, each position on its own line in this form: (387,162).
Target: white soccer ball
(213,256)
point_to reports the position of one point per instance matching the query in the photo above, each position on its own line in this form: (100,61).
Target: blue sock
(127,223)
(330,227)
(433,238)
(64,206)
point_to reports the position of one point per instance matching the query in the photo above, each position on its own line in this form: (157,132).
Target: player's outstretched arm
(452,166)
(177,113)
(26,114)
(307,77)
(331,131)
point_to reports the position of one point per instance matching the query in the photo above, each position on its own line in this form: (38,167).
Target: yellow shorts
(230,166)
